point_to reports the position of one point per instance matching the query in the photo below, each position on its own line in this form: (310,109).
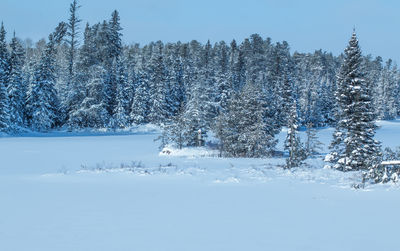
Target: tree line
(242,92)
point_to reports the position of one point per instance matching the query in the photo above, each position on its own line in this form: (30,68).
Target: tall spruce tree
(141,100)
(353,146)
(43,104)
(4,108)
(121,113)
(4,57)
(74,84)
(4,70)
(158,84)
(16,87)
(175,91)
(111,37)
(73,33)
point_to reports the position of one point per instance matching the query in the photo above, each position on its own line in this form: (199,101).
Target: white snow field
(69,191)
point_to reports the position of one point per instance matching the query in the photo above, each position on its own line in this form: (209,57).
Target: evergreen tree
(114,36)
(4,68)
(175,97)
(43,105)
(296,149)
(195,116)
(4,57)
(173,130)
(111,40)
(353,146)
(388,90)
(223,79)
(140,104)
(16,87)
(4,109)
(158,85)
(278,76)
(238,70)
(87,68)
(121,113)
(92,112)
(74,84)
(312,144)
(72,41)
(374,73)
(242,130)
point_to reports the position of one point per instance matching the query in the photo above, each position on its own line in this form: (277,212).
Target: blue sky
(306,24)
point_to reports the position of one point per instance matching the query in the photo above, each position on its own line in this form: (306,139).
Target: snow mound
(147,128)
(190,152)
(227,180)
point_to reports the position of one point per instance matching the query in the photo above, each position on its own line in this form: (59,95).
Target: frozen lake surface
(63,191)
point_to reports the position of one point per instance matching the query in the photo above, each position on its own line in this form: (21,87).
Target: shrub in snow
(388,170)
(382,174)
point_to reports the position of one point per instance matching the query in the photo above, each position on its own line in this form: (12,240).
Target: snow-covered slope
(97,192)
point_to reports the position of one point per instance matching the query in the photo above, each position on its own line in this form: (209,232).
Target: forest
(243,92)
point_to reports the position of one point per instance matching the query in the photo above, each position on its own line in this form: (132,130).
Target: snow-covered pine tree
(326,102)
(353,146)
(227,129)
(175,87)
(195,115)
(278,75)
(158,84)
(312,144)
(92,112)
(314,81)
(74,83)
(308,82)
(121,113)
(388,89)
(4,57)
(140,104)
(256,61)
(88,51)
(173,130)
(4,70)
(16,87)
(223,78)
(238,68)
(373,69)
(111,42)
(115,36)
(72,34)
(131,58)
(84,72)
(242,130)
(4,110)
(43,105)
(203,86)
(293,145)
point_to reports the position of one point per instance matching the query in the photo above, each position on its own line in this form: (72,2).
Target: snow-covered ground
(96,191)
